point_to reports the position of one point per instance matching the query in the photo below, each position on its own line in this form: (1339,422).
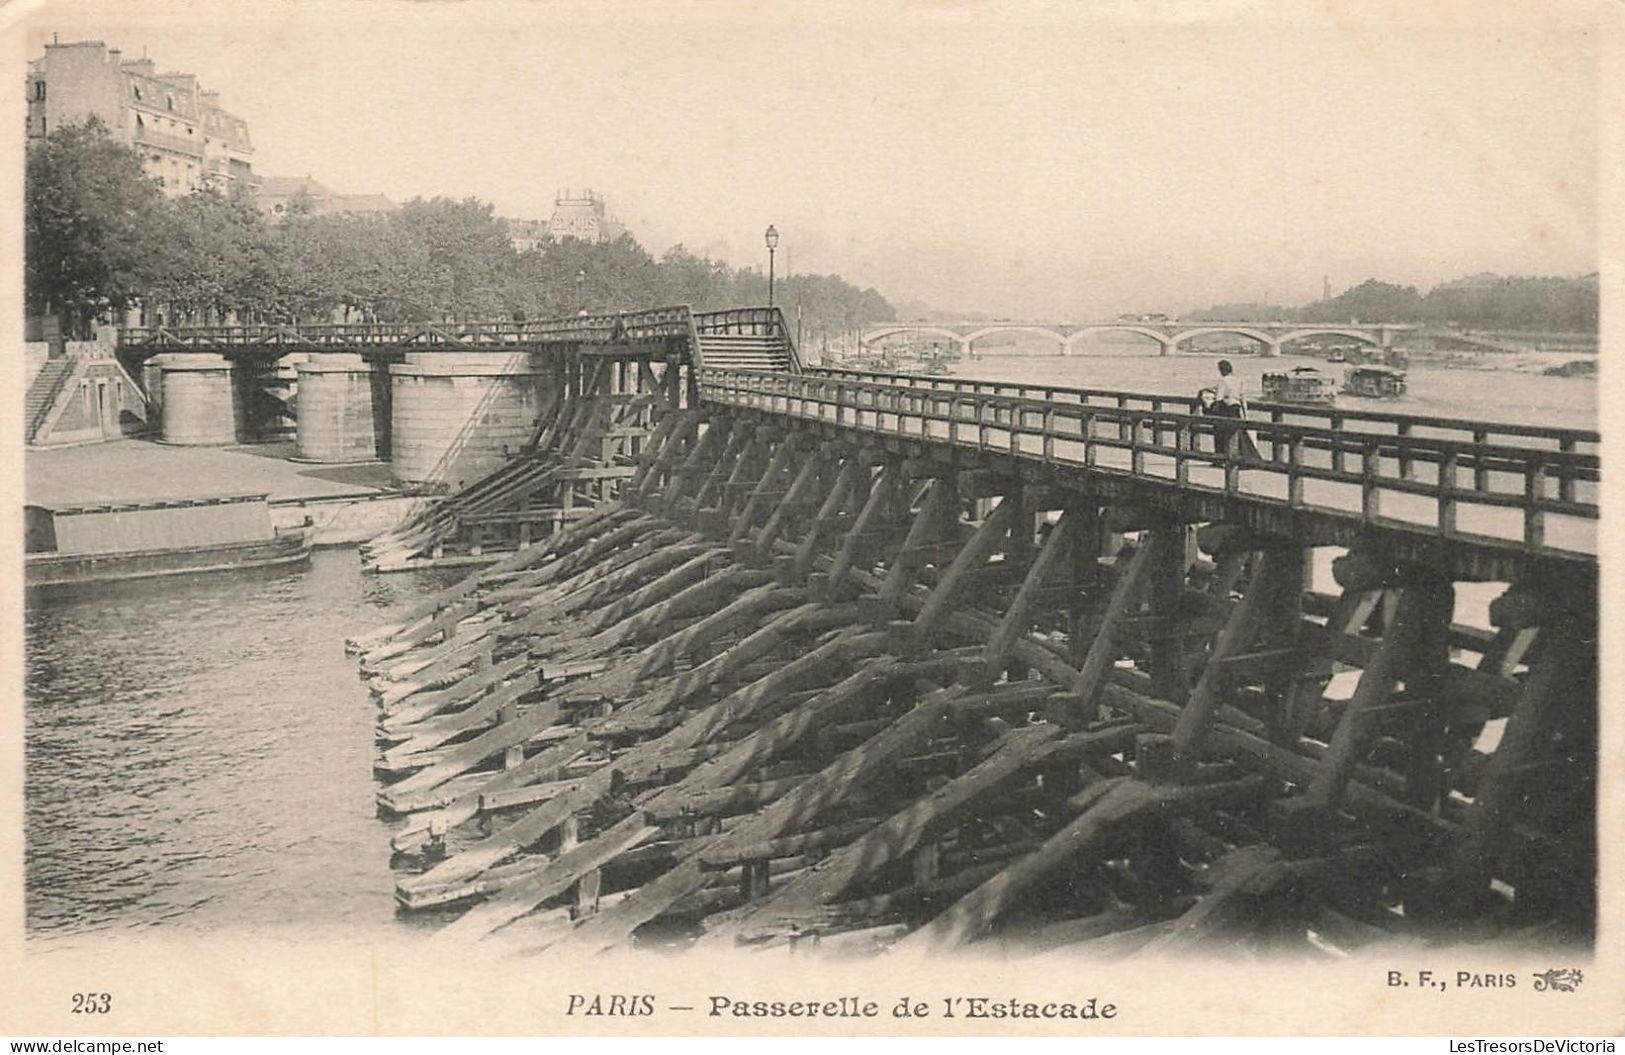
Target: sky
(1019,160)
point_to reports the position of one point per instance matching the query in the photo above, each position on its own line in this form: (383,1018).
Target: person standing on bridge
(1229,401)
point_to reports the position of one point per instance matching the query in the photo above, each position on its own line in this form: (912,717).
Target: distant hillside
(1482,301)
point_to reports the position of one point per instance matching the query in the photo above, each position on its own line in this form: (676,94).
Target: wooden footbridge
(788,657)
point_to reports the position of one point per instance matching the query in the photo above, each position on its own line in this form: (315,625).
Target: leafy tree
(102,236)
(468,255)
(90,220)
(215,259)
(1370,301)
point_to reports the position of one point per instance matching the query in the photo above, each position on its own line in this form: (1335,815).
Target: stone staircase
(744,351)
(42,393)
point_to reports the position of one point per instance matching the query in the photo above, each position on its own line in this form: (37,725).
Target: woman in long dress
(1229,401)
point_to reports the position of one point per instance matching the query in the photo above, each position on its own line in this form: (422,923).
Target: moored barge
(109,542)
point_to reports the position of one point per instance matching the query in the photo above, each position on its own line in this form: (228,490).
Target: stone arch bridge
(1169,336)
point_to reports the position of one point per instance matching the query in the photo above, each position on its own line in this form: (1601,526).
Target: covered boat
(1302,384)
(1375,382)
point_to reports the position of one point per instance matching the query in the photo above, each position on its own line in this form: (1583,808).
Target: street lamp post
(772,244)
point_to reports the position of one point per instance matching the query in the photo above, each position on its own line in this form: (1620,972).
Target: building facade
(277,197)
(186,139)
(583,216)
(525,235)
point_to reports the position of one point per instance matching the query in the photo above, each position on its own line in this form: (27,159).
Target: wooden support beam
(482,711)
(760,644)
(733,455)
(936,505)
(834,783)
(1166,593)
(466,756)
(800,489)
(846,483)
(1354,728)
(1114,806)
(1363,801)
(454,809)
(1567,661)
(1427,689)
(689,601)
(1240,631)
(875,506)
(1019,614)
(746,610)
(718,774)
(1106,647)
(675,431)
(983,542)
(1017,753)
(694,466)
(689,573)
(770,479)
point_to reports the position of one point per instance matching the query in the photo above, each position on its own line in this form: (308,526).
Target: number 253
(92,1003)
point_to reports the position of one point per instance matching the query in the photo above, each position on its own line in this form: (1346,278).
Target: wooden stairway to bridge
(744,351)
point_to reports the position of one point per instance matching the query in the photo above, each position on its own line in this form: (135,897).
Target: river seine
(199,752)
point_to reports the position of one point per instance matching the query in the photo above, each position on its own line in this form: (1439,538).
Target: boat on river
(113,541)
(1301,384)
(1374,382)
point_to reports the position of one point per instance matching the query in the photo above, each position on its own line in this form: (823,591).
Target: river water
(199,751)
(1489,395)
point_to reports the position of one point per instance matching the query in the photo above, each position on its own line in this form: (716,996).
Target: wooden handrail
(652,324)
(1336,416)
(1360,459)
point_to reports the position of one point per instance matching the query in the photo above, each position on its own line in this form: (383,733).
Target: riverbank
(344,503)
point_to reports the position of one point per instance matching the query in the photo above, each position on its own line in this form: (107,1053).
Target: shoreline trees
(102,238)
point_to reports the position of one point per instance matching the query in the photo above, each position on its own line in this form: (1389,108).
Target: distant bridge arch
(1014,327)
(1144,331)
(880,333)
(1332,331)
(1264,339)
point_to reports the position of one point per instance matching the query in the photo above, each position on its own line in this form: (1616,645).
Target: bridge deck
(1586,441)
(654,325)
(1534,494)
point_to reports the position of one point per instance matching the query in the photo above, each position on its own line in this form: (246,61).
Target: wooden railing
(1375,421)
(1127,438)
(654,324)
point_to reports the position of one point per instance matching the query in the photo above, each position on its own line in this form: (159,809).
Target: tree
(91,219)
(468,255)
(215,257)
(1370,301)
